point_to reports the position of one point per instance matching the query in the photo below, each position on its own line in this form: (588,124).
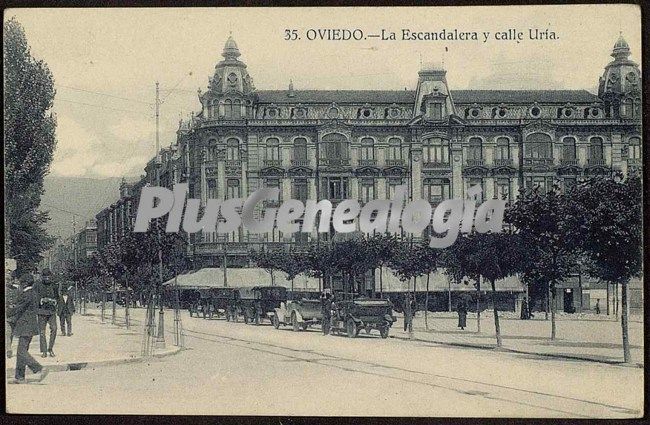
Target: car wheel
(351,328)
(304,326)
(276,321)
(294,322)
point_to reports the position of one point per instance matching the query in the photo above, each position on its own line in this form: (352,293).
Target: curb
(113,362)
(512,350)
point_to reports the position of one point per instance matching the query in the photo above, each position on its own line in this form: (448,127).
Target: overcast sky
(106,61)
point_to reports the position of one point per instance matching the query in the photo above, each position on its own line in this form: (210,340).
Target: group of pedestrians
(31,308)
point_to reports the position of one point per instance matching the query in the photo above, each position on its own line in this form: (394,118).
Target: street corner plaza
(431,212)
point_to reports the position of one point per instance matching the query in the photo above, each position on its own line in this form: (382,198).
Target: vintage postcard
(360,211)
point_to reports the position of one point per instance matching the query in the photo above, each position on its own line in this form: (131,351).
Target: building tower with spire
(620,85)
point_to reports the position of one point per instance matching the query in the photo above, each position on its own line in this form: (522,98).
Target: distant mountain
(84,197)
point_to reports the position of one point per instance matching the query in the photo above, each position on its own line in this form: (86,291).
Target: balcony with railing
(335,162)
(569,161)
(233,163)
(592,162)
(435,164)
(367,163)
(538,161)
(503,162)
(395,162)
(273,163)
(300,162)
(474,162)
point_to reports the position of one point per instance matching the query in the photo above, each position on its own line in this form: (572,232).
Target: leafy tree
(269,261)
(606,216)
(541,221)
(383,248)
(29,137)
(353,257)
(489,256)
(293,264)
(321,262)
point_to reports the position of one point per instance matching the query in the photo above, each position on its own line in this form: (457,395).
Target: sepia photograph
(324,211)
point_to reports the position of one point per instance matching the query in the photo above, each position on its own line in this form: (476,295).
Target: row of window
(434,150)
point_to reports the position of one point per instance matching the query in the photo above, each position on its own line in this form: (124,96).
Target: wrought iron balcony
(500,162)
(436,165)
(273,163)
(569,161)
(300,162)
(474,162)
(596,161)
(538,161)
(367,162)
(336,162)
(394,162)
(233,163)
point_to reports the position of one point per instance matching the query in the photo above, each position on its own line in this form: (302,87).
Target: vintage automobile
(300,314)
(221,299)
(353,315)
(260,301)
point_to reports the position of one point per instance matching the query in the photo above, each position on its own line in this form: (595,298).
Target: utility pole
(160,338)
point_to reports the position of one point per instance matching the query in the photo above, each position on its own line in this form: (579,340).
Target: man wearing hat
(48,294)
(66,309)
(25,327)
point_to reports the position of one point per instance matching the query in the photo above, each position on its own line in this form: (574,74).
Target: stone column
(582,148)
(608,149)
(488,187)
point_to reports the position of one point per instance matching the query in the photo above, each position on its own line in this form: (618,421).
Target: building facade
(362,144)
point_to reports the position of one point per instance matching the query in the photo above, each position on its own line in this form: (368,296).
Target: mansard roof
(523,96)
(408,96)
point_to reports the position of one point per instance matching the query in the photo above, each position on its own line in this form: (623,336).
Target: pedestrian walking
(47,292)
(326,310)
(66,309)
(11,291)
(597,306)
(408,312)
(525,310)
(461,308)
(25,327)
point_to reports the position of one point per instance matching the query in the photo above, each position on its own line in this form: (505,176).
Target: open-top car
(351,316)
(300,314)
(260,301)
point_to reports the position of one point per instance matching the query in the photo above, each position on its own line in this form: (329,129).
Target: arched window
(232,149)
(236,109)
(435,151)
(475,150)
(503,148)
(300,149)
(394,149)
(336,146)
(538,146)
(569,148)
(273,149)
(227,108)
(635,148)
(367,149)
(596,148)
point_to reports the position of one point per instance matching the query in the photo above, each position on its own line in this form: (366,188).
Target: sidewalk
(585,338)
(93,343)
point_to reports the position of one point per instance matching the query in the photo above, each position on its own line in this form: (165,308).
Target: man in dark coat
(25,327)
(461,307)
(326,311)
(48,295)
(11,296)
(408,312)
(65,310)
